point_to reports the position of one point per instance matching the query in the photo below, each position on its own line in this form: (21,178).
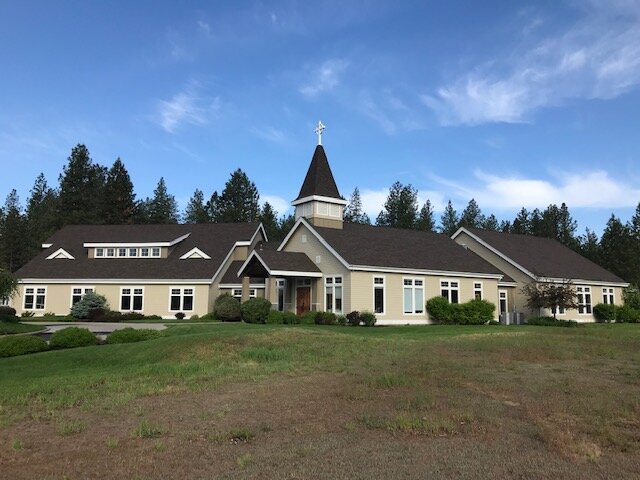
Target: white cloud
(204,27)
(187,107)
(594,189)
(597,57)
(324,78)
(270,134)
(280,205)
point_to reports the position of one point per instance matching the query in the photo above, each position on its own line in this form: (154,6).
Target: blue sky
(511,103)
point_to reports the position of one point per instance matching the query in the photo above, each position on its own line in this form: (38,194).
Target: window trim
(502,291)
(332,285)
(131,295)
(383,287)
(608,296)
(253,293)
(84,289)
(414,287)
(35,298)
(181,295)
(450,288)
(281,285)
(584,290)
(475,289)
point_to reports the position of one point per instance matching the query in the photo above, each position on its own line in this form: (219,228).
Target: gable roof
(216,239)
(319,180)
(384,247)
(279,263)
(543,257)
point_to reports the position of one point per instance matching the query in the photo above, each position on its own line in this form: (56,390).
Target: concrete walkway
(101,327)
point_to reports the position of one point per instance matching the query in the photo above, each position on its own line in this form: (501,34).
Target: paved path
(102,327)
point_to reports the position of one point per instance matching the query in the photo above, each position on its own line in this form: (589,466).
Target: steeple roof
(319,179)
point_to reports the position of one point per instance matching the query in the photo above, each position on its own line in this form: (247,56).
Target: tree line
(617,250)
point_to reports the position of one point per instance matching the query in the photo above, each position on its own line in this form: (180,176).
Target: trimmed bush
(180,315)
(130,335)
(275,317)
(551,322)
(368,319)
(21,345)
(440,310)
(308,318)
(227,308)
(5,310)
(27,314)
(353,318)
(290,318)
(342,320)
(194,318)
(90,306)
(604,312)
(255,310)
(72,337)
(473,312)
(627,314)
(9,318)
(207,317)
(325,318)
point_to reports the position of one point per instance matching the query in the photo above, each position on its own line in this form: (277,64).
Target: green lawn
(9,328)
(565,396)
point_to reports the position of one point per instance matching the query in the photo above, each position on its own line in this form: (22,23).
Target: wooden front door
(303,300)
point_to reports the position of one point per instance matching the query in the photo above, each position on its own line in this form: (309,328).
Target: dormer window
(133,252)
(122,252)
(111,252)
(144,252)
(99,252)
(155,252)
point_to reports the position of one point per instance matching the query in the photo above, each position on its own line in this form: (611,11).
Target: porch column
(245,288)
(271,291)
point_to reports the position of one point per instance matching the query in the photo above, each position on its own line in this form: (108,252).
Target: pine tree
(81,189)
(41,211)
(566,228)
(590,246)
(449,220)
(426,222)
(400,208)
(353,211)
(491,223)
(269,219)
(472,215)
(196,210)
(162,208)
(535,223)
(505,226)
(285,224)
(238,202)
(550,225)
(522,223)
(617,250)
(119,201)
(14,250)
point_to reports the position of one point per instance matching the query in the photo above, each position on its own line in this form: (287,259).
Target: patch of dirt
(283,427)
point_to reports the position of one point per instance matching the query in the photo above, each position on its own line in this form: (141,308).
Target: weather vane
(319,129)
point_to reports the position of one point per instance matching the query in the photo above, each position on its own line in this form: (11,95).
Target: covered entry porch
(292,280)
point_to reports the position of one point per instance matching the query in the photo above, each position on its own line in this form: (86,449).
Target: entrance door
(303,300)
(504,307)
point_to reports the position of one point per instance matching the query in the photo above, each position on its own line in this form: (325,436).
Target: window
(413,295)
(111,252)
(78,292)
(504,305)
(281,285)
(335,211)
(4,301)
(155,252)
(144,252)
(133,252)
(584,300)
(122,252)
(323,208)
(333,294)
(99,252)
(131,299)
(450,290)
(607,296)
(378,295)
(35,298)
(307,210)
(181,299)
(237,293)
(477,290)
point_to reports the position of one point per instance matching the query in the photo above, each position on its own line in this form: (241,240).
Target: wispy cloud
(279,204)
(188,107)
(204,27)
(388,111)
(269,133)
(597,57)
(324,78)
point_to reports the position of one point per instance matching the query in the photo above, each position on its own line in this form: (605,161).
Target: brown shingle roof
(319,179)
(398,248)
(230,277)
(213,239)
(545,257)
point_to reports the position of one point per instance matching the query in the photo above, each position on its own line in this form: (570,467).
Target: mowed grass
(10,328)
(574,391)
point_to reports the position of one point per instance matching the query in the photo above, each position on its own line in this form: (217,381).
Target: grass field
(10,328)
(260,401)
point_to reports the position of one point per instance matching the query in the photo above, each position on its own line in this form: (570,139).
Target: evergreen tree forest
(89,193)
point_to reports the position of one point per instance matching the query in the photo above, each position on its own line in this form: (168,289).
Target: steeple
(319,200)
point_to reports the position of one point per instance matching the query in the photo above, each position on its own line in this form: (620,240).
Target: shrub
(290,318)
(255,310)
(627,314)
(90,306)
(208,317)
(194,317)
(72,337)
(307,318)
(275,317)
(631,296)
(473,312)
(368,319)
(21,345)
(4,310)
(551,322)
(325,318)
(180,315)
(130,335)
(440,310)
(353,318)
(27,314)
(9,318)
(604,312)
(341,320)
(227,308)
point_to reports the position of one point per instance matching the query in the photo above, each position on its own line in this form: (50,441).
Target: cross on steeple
(319,129)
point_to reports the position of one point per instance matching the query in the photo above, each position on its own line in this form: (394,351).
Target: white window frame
(4,301)
(476,289)
(414,288)
(330,284)
(506,300)
(84,290)
(110,252)
(132,250)
(608,296)
(156,252)
(582,292)
(281,285)
(334,210)
(131,297)
(182,295)
(380,286)
(237,293)
(144,250)
(99,252)
(35,294)
(323,208)
(123,251)
(449,288)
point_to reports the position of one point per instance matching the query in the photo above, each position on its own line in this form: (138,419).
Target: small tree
(8,284)
(550,295)
(90,306)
